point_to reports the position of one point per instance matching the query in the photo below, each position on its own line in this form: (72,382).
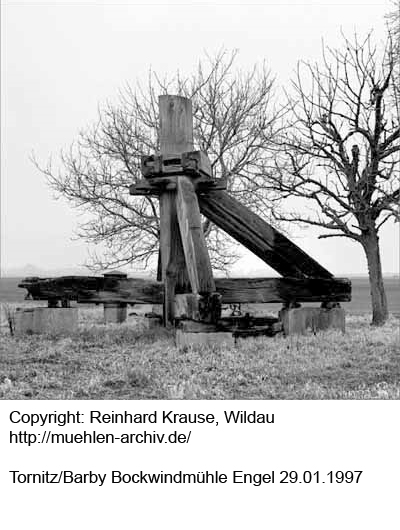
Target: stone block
(297,321)
(56,321)
(23,321)
(115,313)
(141,309)
(220,338)
(152,321)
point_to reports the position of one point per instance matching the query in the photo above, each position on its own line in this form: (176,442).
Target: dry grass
(129,362)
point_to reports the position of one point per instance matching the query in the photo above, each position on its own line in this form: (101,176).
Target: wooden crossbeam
(93,289)
(285,290)
(259,236)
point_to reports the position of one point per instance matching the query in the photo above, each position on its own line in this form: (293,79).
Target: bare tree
(341,150)
(393,22)
(393,27)
(234,121)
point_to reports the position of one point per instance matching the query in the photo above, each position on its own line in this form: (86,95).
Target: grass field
(127,361)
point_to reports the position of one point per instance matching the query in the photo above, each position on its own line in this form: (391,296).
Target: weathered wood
(194,244)
(176,124)
(176,137)
(259,237)
(187,306)
(285,290)
(246,321)
(156,186)
(240,327)
(159,266)
(193,163)
(95,289)
(257,331)
(172,257)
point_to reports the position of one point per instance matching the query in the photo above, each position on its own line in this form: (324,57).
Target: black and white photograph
(200,281)
(200,201)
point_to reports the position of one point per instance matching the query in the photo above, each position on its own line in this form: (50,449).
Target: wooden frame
(182,179)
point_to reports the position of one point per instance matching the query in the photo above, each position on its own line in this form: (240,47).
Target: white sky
(60,59)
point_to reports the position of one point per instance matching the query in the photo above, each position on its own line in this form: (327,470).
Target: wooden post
(176,137)
(172,257)
(176,125)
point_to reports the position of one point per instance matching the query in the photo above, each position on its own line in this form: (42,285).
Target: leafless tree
(341,150)
(234,122)
(393,26)
(393,22)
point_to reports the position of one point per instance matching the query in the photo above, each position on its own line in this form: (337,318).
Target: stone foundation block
(56,321)
(141,309)
(299,320)
(115,313)
(152,321)
(220,338)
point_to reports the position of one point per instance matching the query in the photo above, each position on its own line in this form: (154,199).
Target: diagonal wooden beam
(194,245)
(173,268)
(259,237)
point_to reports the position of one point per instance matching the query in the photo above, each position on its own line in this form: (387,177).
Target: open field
(128,362)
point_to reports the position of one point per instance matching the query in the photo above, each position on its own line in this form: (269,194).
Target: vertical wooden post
(176,137)
(176,125)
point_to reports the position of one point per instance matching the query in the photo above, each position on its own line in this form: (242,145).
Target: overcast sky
(61,59)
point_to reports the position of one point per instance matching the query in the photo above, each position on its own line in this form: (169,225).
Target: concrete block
(141,309)
(157,309)
(23,321)
(334,318)
(153,321)
(56,321)
(220,338)
(115,313)
(297,321)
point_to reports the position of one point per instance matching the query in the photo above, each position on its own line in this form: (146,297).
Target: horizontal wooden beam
(269,290)
(93,289)
(96,289)
(259,236)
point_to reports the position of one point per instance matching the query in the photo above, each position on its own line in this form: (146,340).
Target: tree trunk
(378,296)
